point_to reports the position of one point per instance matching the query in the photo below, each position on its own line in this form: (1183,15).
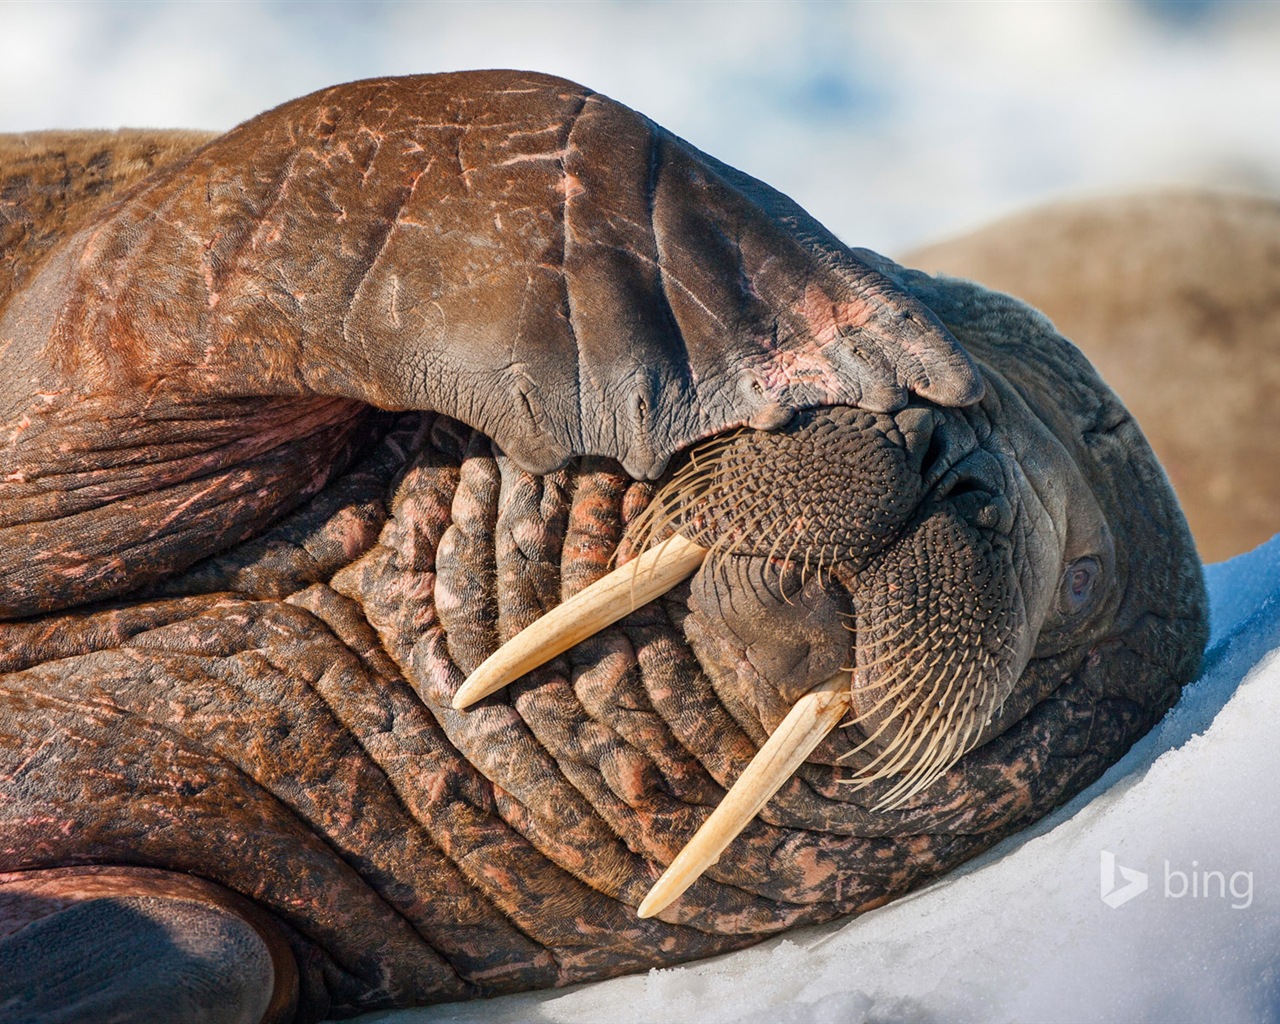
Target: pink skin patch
(826,316)
(806,364)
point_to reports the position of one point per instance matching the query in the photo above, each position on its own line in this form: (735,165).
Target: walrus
(456,537)
(1174,295)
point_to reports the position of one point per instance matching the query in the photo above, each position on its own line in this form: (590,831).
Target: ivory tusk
(813,716)
(586,613)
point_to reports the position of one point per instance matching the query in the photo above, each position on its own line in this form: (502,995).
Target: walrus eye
(1078,585)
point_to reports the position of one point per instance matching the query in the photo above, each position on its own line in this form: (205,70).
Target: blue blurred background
(894,123)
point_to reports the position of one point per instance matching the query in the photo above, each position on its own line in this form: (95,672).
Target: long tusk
(813,716)
(586,613)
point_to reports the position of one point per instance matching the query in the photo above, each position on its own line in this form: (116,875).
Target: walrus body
(300,429)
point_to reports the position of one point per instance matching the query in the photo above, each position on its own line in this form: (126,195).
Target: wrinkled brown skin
(237,600)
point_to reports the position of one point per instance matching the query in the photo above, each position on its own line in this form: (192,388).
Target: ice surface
(1023,933)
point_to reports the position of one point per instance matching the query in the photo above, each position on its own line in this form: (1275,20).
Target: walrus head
(886,594)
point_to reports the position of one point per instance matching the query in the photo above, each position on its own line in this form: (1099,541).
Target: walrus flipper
(149,959)
(507,248)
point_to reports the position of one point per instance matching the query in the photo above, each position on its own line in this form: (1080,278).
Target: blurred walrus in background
(1175,297)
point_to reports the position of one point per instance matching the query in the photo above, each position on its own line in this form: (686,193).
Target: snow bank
(1023,933)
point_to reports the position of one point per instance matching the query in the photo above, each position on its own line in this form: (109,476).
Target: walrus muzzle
(915,704)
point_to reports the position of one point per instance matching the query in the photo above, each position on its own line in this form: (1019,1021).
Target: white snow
(1022,933)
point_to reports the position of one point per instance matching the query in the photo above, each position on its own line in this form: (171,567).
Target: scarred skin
(299,428)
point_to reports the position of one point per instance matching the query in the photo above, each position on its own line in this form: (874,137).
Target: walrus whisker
(724,548)
(747,523)
(889,750)
(934,761)
(940,758)
(650,526)
(732,484)
(891,694)
(810,719)
(977,723)
(585,614)
(943,739)
(967,735)
(909,766)
(895,654)
(657,517)
(925,749)
(774,549)
(914,735)
(888,698)
(953,735)
(896,683)
(868,740)
(786,564)
(893,753)
(822,555)
(899,620)
(704,471)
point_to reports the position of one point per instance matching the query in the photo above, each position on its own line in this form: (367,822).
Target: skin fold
(301,426)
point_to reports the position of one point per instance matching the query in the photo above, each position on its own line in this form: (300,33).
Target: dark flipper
(152,959)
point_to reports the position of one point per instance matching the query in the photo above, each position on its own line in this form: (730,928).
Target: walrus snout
(854,561)
(835,486)
(943,636)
